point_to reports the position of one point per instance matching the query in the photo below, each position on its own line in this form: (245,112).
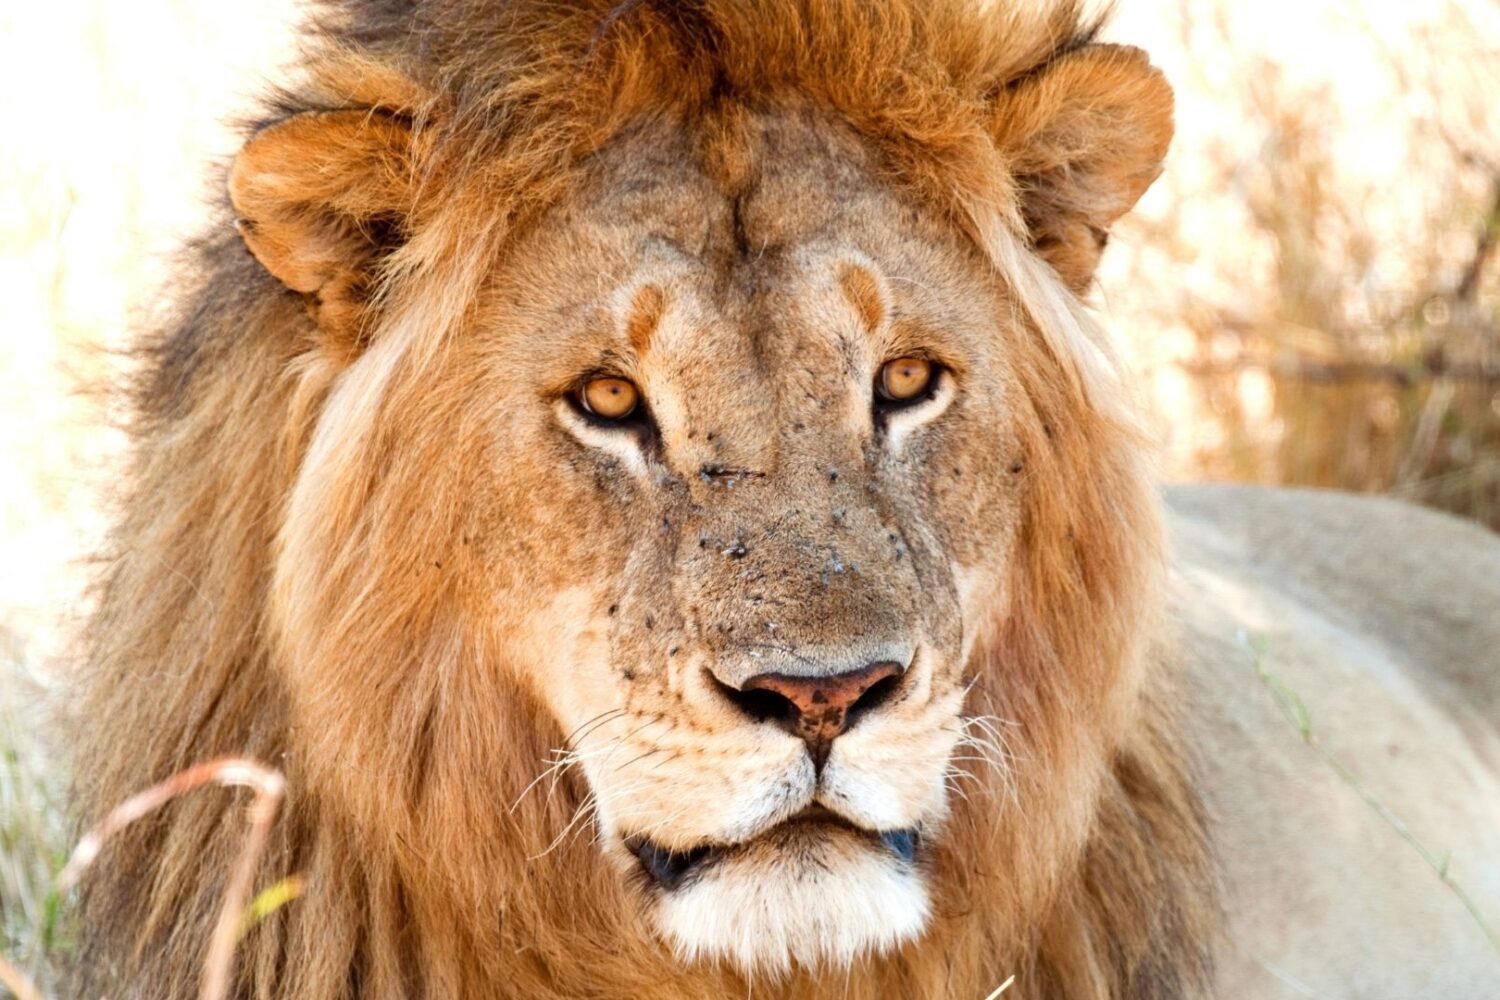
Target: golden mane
(1087,876)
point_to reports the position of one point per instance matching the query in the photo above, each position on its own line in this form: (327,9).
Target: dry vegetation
(1313,290)
(111,110)
(1313,287)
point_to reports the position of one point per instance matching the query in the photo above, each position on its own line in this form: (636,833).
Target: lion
(648,475)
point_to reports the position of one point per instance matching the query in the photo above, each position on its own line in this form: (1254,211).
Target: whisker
(586,808)
(638,758)
(579,734)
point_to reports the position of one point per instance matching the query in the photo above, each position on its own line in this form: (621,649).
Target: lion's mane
(1084,872)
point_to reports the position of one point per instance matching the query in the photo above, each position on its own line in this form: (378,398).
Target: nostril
(874,696)
(762,704)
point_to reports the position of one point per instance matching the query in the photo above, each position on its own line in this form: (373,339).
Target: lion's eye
(609,398)
(904,379)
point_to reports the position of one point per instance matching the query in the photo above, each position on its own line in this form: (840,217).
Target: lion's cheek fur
(403,653)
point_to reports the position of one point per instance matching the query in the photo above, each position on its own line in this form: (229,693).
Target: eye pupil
(904,379)
(609,398)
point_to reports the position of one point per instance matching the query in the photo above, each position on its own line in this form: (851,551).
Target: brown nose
(818,709)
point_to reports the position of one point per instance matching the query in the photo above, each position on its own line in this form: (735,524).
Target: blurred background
(1312,288)
(1310,292)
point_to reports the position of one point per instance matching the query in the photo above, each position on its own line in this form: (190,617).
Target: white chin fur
(811,897)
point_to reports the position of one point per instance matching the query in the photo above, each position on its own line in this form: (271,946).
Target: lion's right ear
(321,197)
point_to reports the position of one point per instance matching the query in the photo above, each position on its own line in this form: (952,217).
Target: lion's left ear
(1084,137)
(321,197)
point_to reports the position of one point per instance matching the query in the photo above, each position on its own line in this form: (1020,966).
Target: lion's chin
(812,894)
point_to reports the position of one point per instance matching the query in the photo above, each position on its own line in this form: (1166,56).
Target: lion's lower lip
(666,867)
(671,869)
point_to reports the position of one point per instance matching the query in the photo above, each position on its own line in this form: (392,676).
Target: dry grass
(32,830)
(236,911)
(1312,291)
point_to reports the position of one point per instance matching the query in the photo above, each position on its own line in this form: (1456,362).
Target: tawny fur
(355,670)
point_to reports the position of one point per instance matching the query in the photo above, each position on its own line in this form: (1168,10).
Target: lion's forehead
(781,178)
(747,246)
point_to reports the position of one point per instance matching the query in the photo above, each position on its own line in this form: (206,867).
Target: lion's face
(747,600)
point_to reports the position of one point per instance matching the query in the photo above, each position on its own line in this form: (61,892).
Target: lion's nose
(818,709)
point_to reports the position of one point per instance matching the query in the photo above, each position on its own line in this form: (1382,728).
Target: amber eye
(609,398)
(904,379)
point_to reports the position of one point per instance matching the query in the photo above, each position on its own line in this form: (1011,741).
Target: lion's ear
(1085,137)
(321,197)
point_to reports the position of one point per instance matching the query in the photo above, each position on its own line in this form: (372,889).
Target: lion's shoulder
(1334,652)
(1424,584)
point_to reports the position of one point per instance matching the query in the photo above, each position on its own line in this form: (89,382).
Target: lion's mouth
(669,869)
